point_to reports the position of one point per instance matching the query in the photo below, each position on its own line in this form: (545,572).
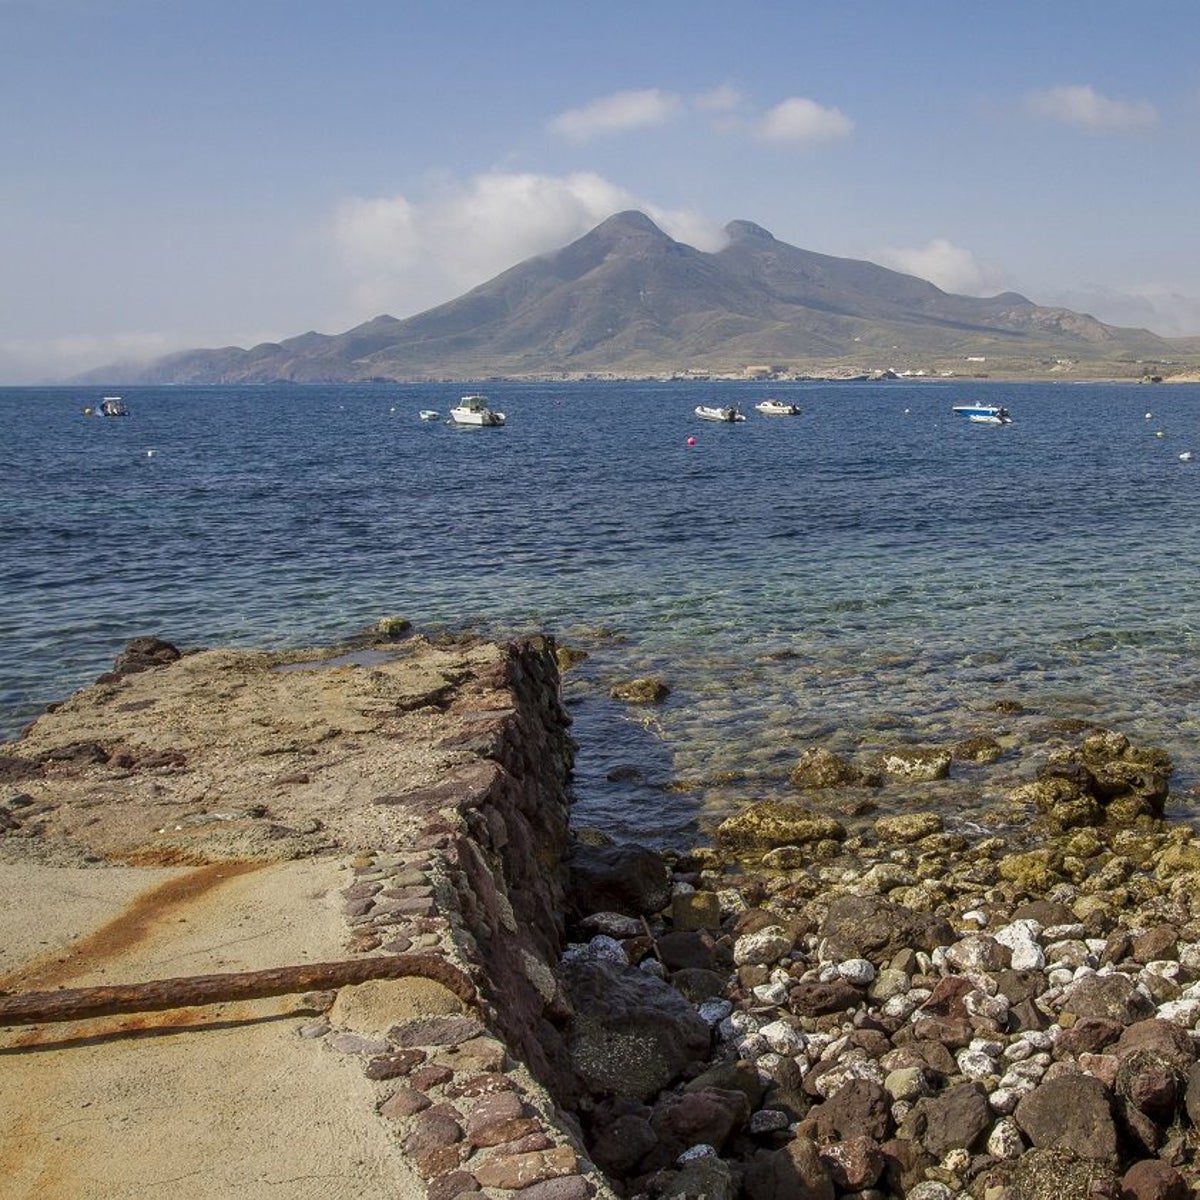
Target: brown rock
(1151,1179)
(1072,1112)
(522,1170)
(794,1172)
(854,1164)
(404,1102)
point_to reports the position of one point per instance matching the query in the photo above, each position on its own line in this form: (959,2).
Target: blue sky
(200,174)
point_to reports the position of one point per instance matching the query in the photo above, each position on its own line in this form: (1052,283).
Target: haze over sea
(873,571)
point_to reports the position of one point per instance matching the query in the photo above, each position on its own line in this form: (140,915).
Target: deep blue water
(873,570)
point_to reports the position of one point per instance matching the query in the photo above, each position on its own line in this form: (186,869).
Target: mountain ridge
(627,299)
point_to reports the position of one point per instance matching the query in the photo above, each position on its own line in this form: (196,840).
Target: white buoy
(149,453)
(1149,416)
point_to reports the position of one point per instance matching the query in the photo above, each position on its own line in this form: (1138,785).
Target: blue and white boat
(984,414)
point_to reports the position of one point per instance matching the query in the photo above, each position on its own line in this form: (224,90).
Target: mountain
(626,299)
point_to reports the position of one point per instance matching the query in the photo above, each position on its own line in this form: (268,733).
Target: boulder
(821,768)
(628,879)
(640,691)
(919,763)
(777,823)
(1072,1113)
(876,929)
(794,1172)
(1113,996)
(630,1034)
(142,653)
(957,1118)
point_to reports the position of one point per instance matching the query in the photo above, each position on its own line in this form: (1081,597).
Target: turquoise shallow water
(875,570)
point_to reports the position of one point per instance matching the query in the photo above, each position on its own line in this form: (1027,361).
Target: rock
(646,690)
(763,947)
(707,1176)
(1113,996)
(979,749)
(860,1106)
(794,1172)
(777,823)
(695,910)
(854,1164)
(1151,1179)
(876,929)
(1150,1082)
(630,1034)
(907,827)
(143,653)
(959,1117)
(821,768)
(628,879)
(916,762)
(706,1115)
(1072,1112)
(619,1144)
(1163,1038)
(812,998)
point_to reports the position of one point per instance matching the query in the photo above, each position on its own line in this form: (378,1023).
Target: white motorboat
(725,412)
(474,410)
(113,406)
(777,408)
(984,414)
(429,414)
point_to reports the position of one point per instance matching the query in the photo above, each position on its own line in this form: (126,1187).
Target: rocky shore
(821,1003)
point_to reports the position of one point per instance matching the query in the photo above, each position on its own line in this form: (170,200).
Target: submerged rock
(774,823)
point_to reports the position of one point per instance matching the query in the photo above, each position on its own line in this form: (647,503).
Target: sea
(875,571)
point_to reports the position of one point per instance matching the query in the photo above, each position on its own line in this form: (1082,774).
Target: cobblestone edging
(468,1092)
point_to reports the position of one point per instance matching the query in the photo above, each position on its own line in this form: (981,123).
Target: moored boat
(113,406)
(984,414)
(429,414)
(474,410)
(724,412)
(777,408)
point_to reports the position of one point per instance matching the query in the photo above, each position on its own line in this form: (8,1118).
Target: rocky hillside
(627,299)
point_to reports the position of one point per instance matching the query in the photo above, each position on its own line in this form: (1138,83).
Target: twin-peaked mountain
(626,299)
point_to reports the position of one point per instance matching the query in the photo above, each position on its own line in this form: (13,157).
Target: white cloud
(1165,310)
(799,119)
(616,113)
(1083,106)
(950,267)
(53,360)
(405,256)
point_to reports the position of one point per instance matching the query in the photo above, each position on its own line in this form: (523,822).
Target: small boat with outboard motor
(984,414)
(723,412)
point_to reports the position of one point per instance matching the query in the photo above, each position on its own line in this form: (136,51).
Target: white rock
(974,1064)
(898,1008)
(771,993)
(857,971)
(700,1150)
(1060,976)
(783,1037)
(1180,1012)
(714,1011)
(762,948)
(1005,1100)
(930,1189)
(978,916)
(988,1046)
(1005,1140)
(837,1077)
(1021,938)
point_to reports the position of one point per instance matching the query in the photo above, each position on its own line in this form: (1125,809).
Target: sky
(205,173)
